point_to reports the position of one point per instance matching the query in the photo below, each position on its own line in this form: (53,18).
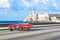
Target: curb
(4,28)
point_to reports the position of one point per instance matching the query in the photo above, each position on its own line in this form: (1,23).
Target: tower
(33,15)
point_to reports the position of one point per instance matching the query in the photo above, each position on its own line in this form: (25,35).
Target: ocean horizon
(11,22)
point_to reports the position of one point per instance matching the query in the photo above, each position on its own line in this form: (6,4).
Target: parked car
(21,26)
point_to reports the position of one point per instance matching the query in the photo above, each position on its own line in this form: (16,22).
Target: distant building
(43,17)
(55,17)
(37,17)
(31,17)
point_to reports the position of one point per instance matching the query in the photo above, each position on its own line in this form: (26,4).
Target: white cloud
(33,2)
(53,0)
(55,4)
(36,0)
(4,4)
(44,1)
(25,3)
(30,4)
(41,3)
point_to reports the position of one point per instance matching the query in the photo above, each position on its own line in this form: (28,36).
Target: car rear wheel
(11,29)
(28,29)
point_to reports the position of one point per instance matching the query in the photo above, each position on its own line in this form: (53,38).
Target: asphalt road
(6,32)
(55,35)
(44,36)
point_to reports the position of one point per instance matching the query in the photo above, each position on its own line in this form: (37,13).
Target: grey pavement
(5,32)
(44,36)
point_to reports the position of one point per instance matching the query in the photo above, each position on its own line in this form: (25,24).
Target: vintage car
(21,26)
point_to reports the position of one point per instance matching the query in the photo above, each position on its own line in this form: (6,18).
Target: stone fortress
(46,17)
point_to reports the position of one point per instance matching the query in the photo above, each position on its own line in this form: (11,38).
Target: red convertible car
(20,26)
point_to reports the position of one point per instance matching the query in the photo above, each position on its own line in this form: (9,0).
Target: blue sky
(17,10)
